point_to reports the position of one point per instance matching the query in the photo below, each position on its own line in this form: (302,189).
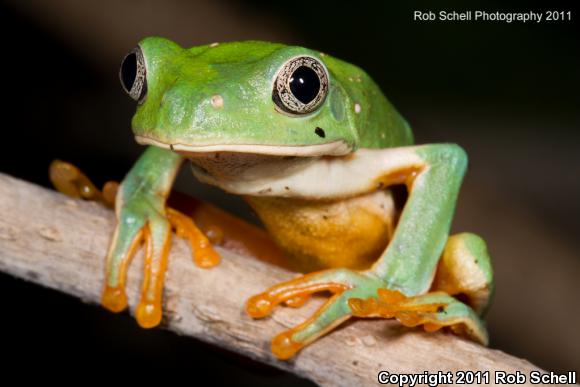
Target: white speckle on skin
(383,135)
(350,79)
(214,44)
(357,108)
(322,54)
(217,101)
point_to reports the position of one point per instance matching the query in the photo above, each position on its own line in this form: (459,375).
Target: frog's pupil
(304,84)
(129,71)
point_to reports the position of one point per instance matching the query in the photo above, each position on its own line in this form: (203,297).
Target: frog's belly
(349,233)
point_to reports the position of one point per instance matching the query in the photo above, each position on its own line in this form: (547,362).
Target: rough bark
(60,243)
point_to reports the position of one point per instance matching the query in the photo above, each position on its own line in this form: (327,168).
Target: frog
(319,153)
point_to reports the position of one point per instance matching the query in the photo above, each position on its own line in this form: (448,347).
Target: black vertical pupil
(129,71)
(304,84)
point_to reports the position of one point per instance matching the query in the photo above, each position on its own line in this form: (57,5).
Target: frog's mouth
(334,148)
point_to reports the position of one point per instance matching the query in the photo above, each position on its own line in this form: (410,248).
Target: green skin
(178,110)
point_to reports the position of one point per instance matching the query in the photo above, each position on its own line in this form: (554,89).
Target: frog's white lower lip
(334,148)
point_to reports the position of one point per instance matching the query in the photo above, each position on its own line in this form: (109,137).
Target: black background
(508,93)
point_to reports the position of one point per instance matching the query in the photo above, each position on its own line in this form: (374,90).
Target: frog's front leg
(143,217)
(433,175)
(342,283)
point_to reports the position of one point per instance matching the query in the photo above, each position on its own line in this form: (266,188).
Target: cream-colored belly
(349,233)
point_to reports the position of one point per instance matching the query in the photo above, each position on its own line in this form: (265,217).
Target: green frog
(315,148)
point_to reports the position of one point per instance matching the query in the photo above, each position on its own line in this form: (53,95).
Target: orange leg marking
(110,193)
(221,228)
(297,301)
(115,298)
(203,253)
(69,180)
(228,231)
(149,311)
(394,304)
(284,346)
(157,240)
(294,293)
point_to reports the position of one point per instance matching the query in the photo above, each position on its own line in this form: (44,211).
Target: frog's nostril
(320,132)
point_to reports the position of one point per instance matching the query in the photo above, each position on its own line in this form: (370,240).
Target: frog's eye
(132,75)
(301,85)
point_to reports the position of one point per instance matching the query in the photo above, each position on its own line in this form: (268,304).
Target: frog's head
(244,97)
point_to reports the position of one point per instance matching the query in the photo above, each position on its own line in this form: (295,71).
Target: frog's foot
(432,310)
(341,283)
(153,230)
(140,223)
(69,180)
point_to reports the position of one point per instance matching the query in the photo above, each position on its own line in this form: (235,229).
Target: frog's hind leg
(465,271)
(460,293)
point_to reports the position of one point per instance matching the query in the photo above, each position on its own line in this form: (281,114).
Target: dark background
(508,93)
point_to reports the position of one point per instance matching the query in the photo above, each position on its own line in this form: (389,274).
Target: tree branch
(60,243)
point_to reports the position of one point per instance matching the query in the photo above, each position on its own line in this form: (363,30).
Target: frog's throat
(334,148)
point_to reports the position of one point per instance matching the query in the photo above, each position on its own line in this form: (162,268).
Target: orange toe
(71,181)
(206,257)
(148,314)
(114,299)
(259,306)
(204,254)
(283,347)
